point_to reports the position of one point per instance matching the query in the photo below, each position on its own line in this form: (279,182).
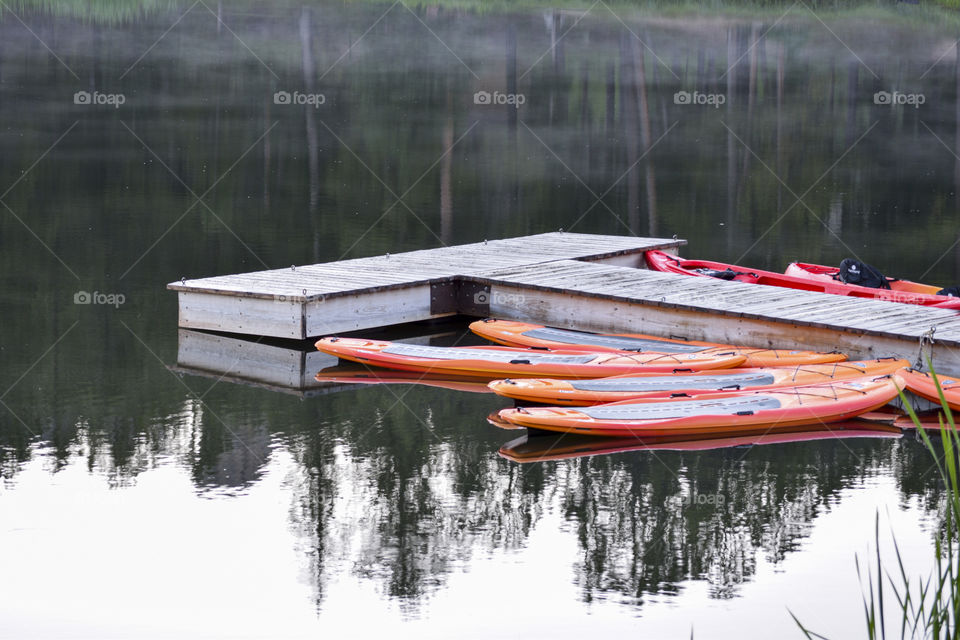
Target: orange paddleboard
(522,334)
(708,414)
(617,388)
(501,362)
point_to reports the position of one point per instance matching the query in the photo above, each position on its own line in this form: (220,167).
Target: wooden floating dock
(335,297)
(567,280)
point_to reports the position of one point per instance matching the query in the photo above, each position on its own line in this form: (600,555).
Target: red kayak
(811,281)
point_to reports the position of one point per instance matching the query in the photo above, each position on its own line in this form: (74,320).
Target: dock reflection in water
(296,367)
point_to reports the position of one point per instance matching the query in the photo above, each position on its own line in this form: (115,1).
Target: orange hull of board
(522,334)
(501,362)
(725,414)
(574,393)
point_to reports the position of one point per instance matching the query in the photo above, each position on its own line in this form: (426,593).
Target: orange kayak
(617,388)
(503,362)
(922,384)
(522,334)
(711,414)
(565,447)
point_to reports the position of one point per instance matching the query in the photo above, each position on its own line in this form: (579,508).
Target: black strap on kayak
(725,274)
(886,279)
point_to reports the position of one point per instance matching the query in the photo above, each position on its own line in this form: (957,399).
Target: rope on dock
(926,340)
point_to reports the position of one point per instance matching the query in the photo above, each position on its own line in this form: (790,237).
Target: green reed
(930,607)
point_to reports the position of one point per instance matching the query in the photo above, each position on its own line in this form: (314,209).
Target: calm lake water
(145,142)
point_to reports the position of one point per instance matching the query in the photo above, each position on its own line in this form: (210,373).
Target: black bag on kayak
(860,273)
(953,292)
